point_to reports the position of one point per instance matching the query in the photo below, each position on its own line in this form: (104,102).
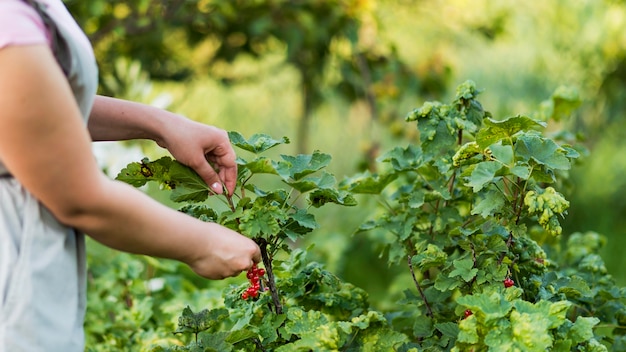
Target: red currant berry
(468,312)
(250,275)
(508,282)
(260,272)
(244,296)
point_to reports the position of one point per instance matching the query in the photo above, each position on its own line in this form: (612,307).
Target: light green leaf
(541,150)
(260,165)
(296,167)
(464,268)
(502,153)
(482,174)
(403,159)
(257,143)
(367,183)
(582,330)
(489,203)
(505,130)
(324,180)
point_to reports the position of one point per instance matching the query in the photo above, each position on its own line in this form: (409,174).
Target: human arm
(45,145)
(188,141)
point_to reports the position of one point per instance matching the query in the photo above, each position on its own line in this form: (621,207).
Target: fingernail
(216,186)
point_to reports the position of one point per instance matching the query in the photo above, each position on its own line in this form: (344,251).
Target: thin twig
(419,288)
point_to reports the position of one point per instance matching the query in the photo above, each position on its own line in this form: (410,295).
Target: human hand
(224,253)
(206,149)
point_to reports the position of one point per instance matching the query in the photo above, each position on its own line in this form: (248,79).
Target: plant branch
(267,261)
(419,288)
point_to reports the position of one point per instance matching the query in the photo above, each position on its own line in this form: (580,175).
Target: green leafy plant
(471,210)
(290,304)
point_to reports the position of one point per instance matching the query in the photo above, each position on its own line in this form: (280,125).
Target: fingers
(209,176)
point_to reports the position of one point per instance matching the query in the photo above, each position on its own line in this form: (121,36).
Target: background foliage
(351,70)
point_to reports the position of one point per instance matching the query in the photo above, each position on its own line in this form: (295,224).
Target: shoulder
(20,24)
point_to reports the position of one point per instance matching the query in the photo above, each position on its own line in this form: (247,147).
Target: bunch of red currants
(254,276)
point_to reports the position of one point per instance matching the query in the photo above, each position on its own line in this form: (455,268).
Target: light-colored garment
(42,263)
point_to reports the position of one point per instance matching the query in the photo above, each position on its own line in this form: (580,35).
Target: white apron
(42,263)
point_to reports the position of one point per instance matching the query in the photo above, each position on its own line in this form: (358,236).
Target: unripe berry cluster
(254,277)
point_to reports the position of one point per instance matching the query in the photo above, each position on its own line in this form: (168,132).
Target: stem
(267,261)
(419,288)
(259,345)
(509,242)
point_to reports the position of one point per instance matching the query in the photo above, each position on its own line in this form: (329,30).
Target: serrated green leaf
(483,174)
(422,326)
(403,159)
(464,268)
(521,170)
(216,342)
(492,305)
(505,130)
(542,150)
(258,143)
(582,330)
(187,184)
(324,181)
(489,203)
(431,256)
(320,197)
(239,335)
(138,174)
(296,167)
(502,153)
(448,329)
(260,165)
(261,220)
(367,183)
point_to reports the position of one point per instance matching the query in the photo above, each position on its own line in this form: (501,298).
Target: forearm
(114,119)
(126,219)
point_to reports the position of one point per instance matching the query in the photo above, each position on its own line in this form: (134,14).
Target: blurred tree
(312,35)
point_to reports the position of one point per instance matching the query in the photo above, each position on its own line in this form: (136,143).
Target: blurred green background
(339,76)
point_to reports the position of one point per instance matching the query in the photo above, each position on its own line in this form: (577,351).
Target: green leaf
(403,159)
(582,330)
(323,181)
(367,183)
(482,174)
(187,184)
(239,335)
(196,322)
(464,268)
(258,143)
(320,197)
(492,305)
(296,167)
(489,203)
(542,150)
(260,165)
(432,256)
(216,342)
(502,153)
(422,326)
(138,174)
(505,130)
(261,220)
(563,102)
